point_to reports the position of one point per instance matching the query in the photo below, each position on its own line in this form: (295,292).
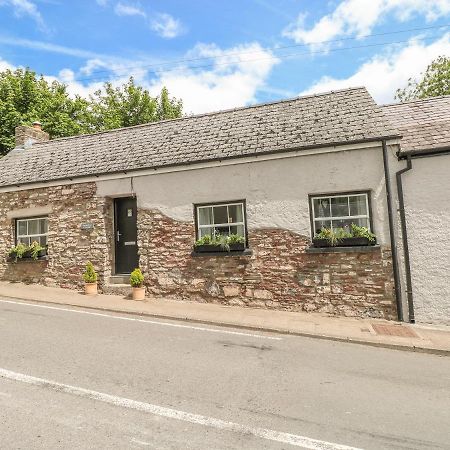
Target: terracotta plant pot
(90,288)
(138,293)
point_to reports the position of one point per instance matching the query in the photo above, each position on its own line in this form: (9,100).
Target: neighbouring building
(273,174)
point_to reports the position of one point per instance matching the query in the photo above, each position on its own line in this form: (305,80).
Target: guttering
(424,153)
(407,263)
(398,296)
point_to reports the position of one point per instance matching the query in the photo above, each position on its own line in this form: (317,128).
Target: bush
(90,275)
(136,278)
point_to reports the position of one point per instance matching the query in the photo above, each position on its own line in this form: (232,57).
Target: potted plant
(90,279)
(220,243)
(344,237)
(137,285)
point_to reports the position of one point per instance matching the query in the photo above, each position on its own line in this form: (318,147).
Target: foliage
(26,97)
(90,275)
(362,232)
(435,82)
(21,250)
(18,251)
(219,240)
(34,249)
(136,278)
(335,235)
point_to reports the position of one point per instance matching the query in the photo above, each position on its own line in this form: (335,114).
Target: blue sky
(217,54)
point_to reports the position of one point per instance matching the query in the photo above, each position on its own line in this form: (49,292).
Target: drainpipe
(398,296)
(401,209)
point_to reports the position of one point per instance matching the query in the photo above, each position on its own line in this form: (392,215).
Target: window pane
(361,222)
(237,229)
(339,206)
(235,213)
(224,231)
(24,240)
(358,205)
(344,223)
(22,228)
(43,241)
(322,207)
(220,214)
(43,226)
(319,224)
(205,216)
(33,226)
(205,232)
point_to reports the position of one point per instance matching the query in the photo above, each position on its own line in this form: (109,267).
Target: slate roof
(424,124)
(334,118)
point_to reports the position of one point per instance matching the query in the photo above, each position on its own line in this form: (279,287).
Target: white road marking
(151,322)
(211,422)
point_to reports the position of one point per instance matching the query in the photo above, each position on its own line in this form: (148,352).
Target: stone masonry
(279,274)
(69,247)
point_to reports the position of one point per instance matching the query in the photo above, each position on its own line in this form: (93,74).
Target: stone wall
(278,274)
(69,247)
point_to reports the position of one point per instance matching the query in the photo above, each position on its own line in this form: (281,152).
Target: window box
(239,247)
(42,254)
(345,242)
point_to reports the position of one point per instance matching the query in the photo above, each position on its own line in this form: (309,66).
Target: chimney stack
(26,136)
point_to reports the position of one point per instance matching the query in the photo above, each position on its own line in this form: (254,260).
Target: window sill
(26,260)
(246,252)
(359,249)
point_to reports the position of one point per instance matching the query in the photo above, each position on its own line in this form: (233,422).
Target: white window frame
(31,236)
(229,224)
(331,218)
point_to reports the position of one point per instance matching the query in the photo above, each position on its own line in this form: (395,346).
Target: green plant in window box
(17,252)
(137,283)
(220,243)
(345,237)
(36,250)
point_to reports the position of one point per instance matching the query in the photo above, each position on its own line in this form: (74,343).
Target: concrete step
(117,289)
(119,279)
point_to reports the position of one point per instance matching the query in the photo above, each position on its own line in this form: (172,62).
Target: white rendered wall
(276,191)
(427,205)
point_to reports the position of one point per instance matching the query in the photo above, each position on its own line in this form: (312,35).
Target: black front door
(125,214)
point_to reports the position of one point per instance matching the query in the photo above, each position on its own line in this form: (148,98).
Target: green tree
(435,82)
(25,97)
(129,104)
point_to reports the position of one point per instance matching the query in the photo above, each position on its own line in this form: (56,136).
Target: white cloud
(26,8)
(385,73)
(231,82)
(358,17)
(5,65)
(123,9)
(166,26)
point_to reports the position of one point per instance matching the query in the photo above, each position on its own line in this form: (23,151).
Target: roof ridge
(417,100)
(212,113)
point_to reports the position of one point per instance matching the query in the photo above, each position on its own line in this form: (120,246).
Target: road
(77,379)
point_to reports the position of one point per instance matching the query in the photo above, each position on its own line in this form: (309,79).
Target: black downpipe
(401,208)
(398,296)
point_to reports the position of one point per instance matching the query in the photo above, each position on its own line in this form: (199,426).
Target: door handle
(118,235)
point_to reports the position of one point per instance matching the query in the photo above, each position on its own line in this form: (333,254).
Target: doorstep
(354,330)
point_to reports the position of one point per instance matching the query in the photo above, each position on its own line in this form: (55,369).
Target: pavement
(402,336)
(77,378)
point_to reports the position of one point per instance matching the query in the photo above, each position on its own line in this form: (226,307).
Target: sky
(220,54)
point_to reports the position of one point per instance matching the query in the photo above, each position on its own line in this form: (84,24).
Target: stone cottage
(273,174)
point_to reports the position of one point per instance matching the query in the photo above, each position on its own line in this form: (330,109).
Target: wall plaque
(87,226)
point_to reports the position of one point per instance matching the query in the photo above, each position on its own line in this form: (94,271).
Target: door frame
(114,230)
